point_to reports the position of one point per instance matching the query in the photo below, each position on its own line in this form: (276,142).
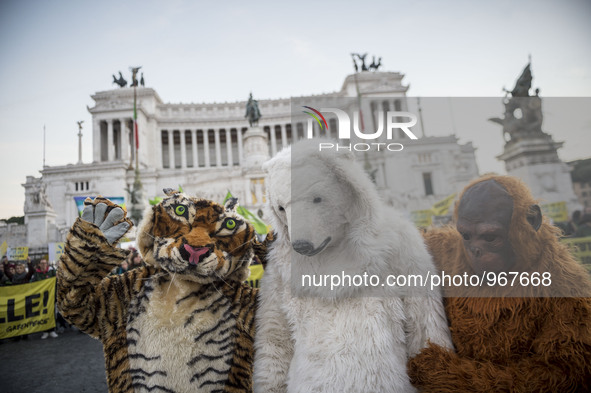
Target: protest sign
(27,308)
(256,273)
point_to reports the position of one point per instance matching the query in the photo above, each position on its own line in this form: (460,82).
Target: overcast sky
(54,55)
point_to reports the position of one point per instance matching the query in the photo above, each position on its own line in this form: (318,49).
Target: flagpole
(136,193)
(135,131)
(421,116)
(43,145)
(367,166)
(359,102)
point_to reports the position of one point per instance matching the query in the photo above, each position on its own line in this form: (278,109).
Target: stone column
(218,149)
(183,149)
(315,128)
(194,146)
(161,149)
(284,141)
(124,140)
(229,147)
(273,141)
(171,149)
(131,139)
(240,153)
(110,147)
(96,140)
(206,147)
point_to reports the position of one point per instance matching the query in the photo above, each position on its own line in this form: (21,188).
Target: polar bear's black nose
(303,247)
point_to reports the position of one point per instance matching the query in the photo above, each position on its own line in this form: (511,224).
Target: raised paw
(107,216)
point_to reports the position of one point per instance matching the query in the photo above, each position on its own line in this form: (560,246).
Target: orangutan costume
(519,339)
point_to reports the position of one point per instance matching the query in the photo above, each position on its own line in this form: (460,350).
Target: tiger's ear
(231,204)
(170,191)
(145,235)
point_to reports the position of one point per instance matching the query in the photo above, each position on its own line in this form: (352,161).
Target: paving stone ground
(71,363)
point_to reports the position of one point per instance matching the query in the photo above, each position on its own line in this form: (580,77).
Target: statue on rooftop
(523,112)
(134,71)
(253,114)
(121,81)
(362,60)
(374,66)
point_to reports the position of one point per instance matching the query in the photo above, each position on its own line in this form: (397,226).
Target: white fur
(346,341)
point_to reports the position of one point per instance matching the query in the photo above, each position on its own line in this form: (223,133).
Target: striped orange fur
(184,322)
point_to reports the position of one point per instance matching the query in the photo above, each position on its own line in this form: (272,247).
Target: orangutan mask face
(484,220)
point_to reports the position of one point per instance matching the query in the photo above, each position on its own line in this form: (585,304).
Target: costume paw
(107,216)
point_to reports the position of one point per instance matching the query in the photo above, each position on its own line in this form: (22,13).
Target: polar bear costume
(313,339)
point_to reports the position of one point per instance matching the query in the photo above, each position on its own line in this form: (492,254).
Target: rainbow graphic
(316,117)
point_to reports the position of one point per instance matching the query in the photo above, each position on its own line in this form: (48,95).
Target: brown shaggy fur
(530,343)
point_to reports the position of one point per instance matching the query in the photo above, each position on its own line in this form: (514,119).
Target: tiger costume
(184,322)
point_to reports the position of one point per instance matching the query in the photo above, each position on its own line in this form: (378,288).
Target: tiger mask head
(197,239)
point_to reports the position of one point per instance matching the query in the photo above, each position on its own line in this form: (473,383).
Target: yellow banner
(441,208)
(581,249)
(256,273)
(18,253)
(3,249)
(27,308)
(422,218)
(556,211)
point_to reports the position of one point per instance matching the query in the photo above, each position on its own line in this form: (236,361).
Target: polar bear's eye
(281,209)
(317,200)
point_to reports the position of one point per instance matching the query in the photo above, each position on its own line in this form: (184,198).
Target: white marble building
(207,150)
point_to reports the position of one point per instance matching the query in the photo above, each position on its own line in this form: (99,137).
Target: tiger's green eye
(180,210)
(230,224)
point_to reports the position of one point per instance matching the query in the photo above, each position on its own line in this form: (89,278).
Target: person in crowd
(584,227)
(5,269)
(1,271)
(21,274)
(43,272)
(122,268)
(571,226)
(8,273)
(135,259)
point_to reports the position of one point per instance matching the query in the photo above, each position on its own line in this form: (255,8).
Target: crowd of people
(579,224)
(23,272)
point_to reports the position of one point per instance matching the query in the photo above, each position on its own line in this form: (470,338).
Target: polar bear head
(319,199)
